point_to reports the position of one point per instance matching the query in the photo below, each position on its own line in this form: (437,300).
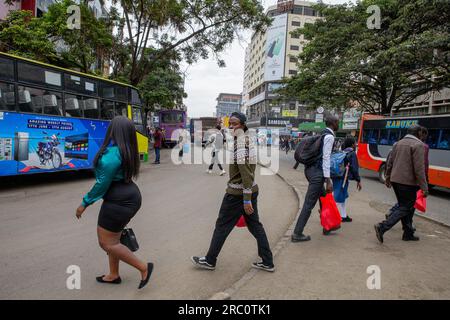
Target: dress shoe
(410,238)
(299,238)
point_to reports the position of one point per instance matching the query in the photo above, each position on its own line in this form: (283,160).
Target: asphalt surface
(40,236)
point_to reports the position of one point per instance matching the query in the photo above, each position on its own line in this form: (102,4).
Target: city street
(40,235)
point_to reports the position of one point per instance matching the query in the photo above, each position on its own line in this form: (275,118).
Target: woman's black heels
(115,281)
(149,272)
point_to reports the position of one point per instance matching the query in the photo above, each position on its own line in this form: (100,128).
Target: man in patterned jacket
(240,200)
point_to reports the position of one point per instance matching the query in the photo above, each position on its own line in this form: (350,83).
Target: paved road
(335,266)
(40,237)
(438,202)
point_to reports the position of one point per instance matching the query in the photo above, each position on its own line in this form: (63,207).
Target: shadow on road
(29,180)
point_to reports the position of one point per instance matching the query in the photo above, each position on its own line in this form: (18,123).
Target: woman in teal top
(116,163)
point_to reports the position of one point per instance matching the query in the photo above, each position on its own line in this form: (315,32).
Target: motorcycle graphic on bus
(48,151)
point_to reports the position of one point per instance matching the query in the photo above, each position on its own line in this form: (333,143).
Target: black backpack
(309,150)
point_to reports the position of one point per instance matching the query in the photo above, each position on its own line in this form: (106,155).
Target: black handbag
(128,239)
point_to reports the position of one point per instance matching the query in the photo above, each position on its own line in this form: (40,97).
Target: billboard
(275,49)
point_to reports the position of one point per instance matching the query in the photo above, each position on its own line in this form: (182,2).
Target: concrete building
(272,56)
(227,103)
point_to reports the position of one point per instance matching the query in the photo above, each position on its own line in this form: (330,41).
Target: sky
(205,79)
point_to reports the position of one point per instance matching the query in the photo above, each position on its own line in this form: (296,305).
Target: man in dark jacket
(405,173)
(158,141)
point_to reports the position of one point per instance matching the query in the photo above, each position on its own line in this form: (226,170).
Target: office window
(7,97)
(293,72)
(295,48)
(296,23)
(293,59)
(309,12)
(295,36)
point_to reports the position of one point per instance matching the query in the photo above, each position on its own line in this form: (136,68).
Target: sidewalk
(335,267)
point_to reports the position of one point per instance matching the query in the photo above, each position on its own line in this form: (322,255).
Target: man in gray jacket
(405,173)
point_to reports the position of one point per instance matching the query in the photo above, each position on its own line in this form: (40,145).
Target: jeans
(215,155)
(157,153)
(230,212)
(404,212)
(314,175)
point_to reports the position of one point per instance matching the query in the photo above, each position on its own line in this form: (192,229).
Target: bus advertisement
(55,119)
(378,134)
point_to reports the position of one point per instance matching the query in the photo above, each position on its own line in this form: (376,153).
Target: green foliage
(346,62)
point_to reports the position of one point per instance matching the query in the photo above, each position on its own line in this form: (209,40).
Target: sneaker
(378,232)
(223,172)
(410,238)
(202,263)
(262,266)
(209,171)
(347,219)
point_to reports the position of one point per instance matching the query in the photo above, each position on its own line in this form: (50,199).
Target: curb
(229,292)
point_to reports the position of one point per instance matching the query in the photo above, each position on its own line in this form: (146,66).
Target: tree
(193,28)
(345,62)
(24,35)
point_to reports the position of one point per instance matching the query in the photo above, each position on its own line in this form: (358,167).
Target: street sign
(319,117)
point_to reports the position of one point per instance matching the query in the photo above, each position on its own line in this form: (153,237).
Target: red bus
(378,134)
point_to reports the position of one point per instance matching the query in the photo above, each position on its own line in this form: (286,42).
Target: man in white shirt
(317,174)
(216,140)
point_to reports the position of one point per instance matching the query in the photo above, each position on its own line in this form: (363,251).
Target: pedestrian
(340,185)
(405,173)
(216,140)
(116,164)
(317,174)
(287,145)
(240,200)
(157,144)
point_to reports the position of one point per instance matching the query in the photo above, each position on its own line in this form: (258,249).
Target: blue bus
(54,119)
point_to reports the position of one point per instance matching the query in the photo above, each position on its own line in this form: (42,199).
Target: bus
(378,134)
(55,119)
(169,121)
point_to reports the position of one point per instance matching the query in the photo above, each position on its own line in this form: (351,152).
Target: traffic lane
(438,201)
(40,237)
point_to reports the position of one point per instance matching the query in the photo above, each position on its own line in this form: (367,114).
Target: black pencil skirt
(120,204)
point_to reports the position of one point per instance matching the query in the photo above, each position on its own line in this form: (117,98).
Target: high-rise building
(227,103)
(272,56)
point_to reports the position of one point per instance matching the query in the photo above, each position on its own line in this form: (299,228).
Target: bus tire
(382,173)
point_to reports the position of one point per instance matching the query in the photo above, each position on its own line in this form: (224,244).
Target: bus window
(370,136)
(444,141)
(384,137)
(121,93)
(39,101)
(73,106)
(91,108)
(7,97)
(121,109)
(172,118)
(80,85)
(393,136)
(38,75)
(107,110)
(137,115)
(106,90)
(7,69)
(135,97)
(433,138)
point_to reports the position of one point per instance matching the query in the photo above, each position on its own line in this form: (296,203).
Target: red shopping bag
(241,222)
(421,202)
(330,218)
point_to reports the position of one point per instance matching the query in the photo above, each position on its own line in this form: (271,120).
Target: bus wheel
(382,173)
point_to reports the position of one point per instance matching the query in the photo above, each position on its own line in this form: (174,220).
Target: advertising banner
(31,143)
(351,119)
(275,49)
(289,113)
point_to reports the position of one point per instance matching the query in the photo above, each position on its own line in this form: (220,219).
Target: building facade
(272,56)
(227,103)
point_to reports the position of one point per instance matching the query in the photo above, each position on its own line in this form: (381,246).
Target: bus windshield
(172,117)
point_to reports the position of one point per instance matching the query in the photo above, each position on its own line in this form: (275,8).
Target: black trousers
(404,212)
(214,160)
(314,175)
(231,210)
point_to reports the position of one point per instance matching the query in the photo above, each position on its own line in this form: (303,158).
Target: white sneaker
(223,172)
(209,171)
